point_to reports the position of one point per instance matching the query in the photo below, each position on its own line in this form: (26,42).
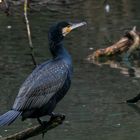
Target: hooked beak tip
(76,25)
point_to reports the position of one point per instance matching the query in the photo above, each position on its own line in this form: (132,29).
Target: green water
(90,105)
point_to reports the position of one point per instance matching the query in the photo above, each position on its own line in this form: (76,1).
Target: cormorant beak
(69,28)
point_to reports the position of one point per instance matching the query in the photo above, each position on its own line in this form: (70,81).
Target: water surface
(91,104)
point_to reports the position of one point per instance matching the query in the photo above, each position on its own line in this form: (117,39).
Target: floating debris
(107,8)
(9,27)
(91,48)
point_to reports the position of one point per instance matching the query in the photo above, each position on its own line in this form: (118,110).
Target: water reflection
(128,67)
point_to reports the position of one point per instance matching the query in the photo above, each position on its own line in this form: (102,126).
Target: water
(91,106)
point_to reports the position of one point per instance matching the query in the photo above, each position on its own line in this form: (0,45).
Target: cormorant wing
(41,85)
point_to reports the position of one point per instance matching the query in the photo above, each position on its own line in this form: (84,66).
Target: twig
(36,130)
(29,32)
(134,99)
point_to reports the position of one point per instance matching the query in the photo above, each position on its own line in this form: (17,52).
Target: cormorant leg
(40,122)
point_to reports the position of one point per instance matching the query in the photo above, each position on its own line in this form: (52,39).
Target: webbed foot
(56,115)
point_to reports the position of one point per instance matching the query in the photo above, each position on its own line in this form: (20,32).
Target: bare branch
(36,130)
(29,32)
(128,43)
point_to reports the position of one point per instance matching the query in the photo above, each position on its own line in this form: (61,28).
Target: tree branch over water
(128,43)
(36,130)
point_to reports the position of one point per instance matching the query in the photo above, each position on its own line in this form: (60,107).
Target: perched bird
(48,83)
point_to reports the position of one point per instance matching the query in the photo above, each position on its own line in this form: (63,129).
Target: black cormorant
(48,83)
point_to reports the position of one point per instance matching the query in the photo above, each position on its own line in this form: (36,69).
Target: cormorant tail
(9,117)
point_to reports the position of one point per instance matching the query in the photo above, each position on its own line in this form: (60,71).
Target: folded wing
(44,82)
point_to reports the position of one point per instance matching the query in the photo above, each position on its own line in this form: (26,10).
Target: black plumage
(48,83)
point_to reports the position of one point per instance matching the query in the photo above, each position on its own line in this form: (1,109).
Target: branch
(36,130)
(134,99)
(29,32)
(128,43)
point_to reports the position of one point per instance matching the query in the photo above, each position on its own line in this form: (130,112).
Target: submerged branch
(36,130)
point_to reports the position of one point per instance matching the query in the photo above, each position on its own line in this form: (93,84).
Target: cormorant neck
(57,50)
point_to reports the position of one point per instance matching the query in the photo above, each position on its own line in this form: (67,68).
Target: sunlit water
(91,106)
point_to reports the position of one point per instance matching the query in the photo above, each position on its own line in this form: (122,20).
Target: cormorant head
(61,29)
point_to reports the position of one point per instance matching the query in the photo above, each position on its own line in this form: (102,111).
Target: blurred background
(92,105)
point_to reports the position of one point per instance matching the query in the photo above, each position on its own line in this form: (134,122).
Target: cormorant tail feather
(9,117)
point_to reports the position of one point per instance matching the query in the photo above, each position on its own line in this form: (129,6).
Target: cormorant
(48,83)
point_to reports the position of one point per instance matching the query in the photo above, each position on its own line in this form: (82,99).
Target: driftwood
(36,130)
(128,43)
